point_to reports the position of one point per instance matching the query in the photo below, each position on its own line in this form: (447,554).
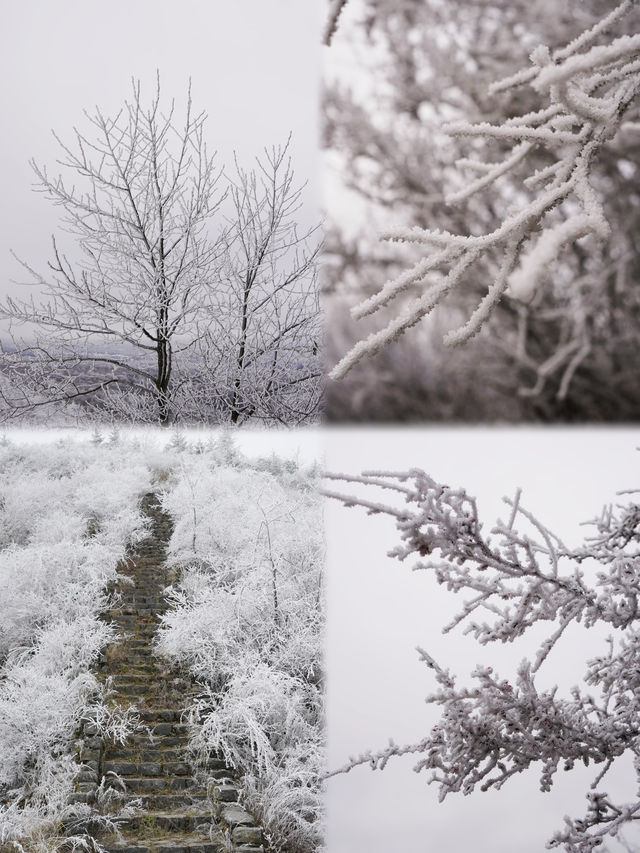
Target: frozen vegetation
(67,515)
(194,299)
(245,618)
(493,149)
(523,585)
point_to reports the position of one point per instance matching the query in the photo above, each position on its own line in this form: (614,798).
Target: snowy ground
(304,444)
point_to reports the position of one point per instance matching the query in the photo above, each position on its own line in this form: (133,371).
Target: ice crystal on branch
(585,91)
(518,576)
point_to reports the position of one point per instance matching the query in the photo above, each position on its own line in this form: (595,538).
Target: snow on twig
(522,577)
(588,89)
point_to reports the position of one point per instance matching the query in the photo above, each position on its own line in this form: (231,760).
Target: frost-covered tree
(133,321)
(522,579)
(147,191)
(504,185)
(261,341)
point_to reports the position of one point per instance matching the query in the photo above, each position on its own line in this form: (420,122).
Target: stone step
(129,674)
(132,664)
(151,753)
(167,802)
(140,623)
(181,820)
(133,612)
(144,739)
(141,656)
(158,679)
(162,715)
(132,769)
(161,729)
(127,671)
(191,843)
(132,607)
(136,689)
(148,668)
(161,784)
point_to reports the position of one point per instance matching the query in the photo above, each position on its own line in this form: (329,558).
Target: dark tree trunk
(162,381)
(235,411)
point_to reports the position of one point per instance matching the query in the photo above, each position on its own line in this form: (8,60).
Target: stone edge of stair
(242,831)
(88,752)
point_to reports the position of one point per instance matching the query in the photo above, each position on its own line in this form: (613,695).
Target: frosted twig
(495,728)
(587,89)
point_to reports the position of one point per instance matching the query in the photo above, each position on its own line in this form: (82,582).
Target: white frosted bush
(38,583)
(68,513)
(246,618)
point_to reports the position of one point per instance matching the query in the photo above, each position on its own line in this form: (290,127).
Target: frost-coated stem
(585,90)
(522,577)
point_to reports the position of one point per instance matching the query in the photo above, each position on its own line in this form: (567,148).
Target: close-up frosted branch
(518,579)
(584,92)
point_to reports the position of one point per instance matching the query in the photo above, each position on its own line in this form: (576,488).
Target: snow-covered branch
(518,576)
(584,93)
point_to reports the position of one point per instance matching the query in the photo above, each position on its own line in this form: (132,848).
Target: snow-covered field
(246,614)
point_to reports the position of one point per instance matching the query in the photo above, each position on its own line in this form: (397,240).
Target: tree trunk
(163,378)
(235,412)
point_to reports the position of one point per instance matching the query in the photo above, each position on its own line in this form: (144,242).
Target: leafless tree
(192,296)
(141,215)
(262,347)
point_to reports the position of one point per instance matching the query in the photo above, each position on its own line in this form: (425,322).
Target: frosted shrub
(45,693)
(246,618)
(68,486)
(519,578)
(67,515)
(38,583)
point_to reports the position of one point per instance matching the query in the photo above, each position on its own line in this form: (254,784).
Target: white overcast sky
(379,611)
(254,65)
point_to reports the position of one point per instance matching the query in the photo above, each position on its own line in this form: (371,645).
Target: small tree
(262,347)
(141,217)
(517,580)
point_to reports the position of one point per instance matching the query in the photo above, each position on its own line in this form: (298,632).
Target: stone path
(176,815)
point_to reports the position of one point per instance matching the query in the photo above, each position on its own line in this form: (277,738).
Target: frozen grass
(67,516)
(246,619)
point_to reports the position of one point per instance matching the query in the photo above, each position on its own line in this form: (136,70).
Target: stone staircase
(178,810)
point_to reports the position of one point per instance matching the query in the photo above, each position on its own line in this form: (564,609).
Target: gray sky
(254,67)
(379,611)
